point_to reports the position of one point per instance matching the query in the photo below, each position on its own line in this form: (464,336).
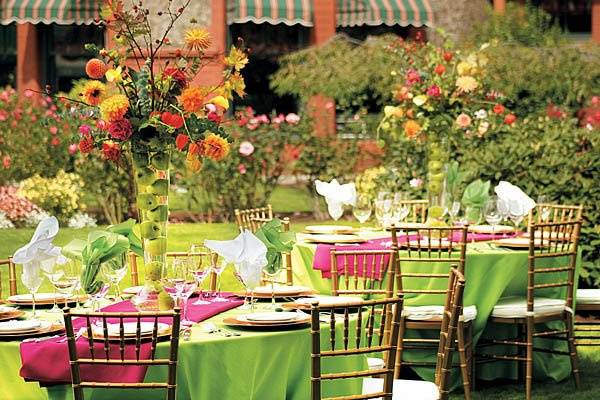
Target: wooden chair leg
(572,349)
(462,355)
(471,356)
(401,332)
(529,358)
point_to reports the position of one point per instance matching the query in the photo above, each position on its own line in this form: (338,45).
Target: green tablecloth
(272,365)
(491,273)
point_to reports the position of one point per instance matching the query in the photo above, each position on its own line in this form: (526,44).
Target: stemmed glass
(32,280)
(453,211)
(200,269)
(250,282)
(492,213)
(114,270)
(188,287)
(72,274)
(362,209)
(400,209)
(68,283)
(383,211)
(272,270)
(544,210)
(218,269)
(53,272)
(516,213)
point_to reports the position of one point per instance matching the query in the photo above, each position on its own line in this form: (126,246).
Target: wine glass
(72,273)
(473,215)
(272,270)
(200,269)
(186,288)
(384,195)
(383,212)
(218,269)
(114,270)
(250,281)
(53,272)
(453,211)
(544,210)
(516,213)
(32,280)
(492,213)
(362,209)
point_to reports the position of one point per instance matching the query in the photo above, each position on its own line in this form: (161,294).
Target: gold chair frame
(12,277)
(351,282)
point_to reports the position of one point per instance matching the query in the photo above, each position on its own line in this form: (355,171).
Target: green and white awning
(289,12)
(384,12)
(64,12)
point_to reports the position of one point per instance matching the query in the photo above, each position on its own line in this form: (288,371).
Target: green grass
(182,235)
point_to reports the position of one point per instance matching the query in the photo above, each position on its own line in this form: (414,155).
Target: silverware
(80,333)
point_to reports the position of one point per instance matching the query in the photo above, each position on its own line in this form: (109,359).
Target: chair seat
(404,389)
(516,307)
(588,296)
(375,363)
(434,313)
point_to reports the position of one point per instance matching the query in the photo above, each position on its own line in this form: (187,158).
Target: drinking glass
(201,269)
(72,273)
(400,209)
(250,282)
(453,211)
(171,280)
(98,295)
(543,210)
(187,288)
(384,195)
(473,215)
(492,213)
(383,212)
(362,209)
(218,268)
(53,272)
(516,213)
(114,270)
(272,271)
(32,280)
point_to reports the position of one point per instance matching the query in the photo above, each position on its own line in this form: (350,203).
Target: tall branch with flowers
(146,106)
(440,96)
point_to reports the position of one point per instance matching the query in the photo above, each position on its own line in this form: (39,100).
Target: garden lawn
(182,235)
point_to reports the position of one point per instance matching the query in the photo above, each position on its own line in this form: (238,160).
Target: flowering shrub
(5,223)
(32,220)
(15,207)
(59,195)
(81,220)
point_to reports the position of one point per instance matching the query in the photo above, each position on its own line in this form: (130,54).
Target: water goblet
(383,212)
(187,288)
(32,280)
(362,209)
(544,210)
(201,269)
(218,269)
(516,213)
(272,270)
(453,211)
(114,270)
(492,213)
(250,281)
(53,271)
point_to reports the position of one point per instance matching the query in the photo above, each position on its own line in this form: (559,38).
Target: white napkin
(517,201)
(40,247)
(336,196)
(247,252)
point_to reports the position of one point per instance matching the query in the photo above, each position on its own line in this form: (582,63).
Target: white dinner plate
(281,290)
(7,309)
(426,243)
(271,317)
(21,326)
(129,329)
(330,301)
(491,229)
(41,297)
(133,289)
(329,229)
(518,242)
(334,239)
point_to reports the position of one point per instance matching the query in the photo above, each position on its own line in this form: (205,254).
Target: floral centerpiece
(438,96)
(145,107)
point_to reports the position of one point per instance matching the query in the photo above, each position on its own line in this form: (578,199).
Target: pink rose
(3,115)
(279,119)
(101,124)
(246,148)
(72,149)
(4,96)
(120,129)
(85,130)
(262,118)
(434,91)
(292,118)
(412,77)
(463,120)
(53,130)
(241,169)
(28,93)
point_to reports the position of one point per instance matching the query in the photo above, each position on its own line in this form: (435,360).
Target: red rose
(111,151)
(181,141)
(498,109)
(86,144)
(173,120)
(510,119)
(440,69)
(120,129)
(177,75)
(214,117)
(55,141)
(448,56)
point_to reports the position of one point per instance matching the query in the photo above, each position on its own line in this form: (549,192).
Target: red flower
(434,91)
(177,75)
(554,112)
(181,141)
(510,119)
(6,162)
(55,141)
(111,151)
(498,109)
(194,148)
(120,129)
(173,120)
(440,69)
(214,117)
(448,56)
(86,144)
(241,169)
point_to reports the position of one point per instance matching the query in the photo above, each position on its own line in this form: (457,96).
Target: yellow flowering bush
(367,182)
(59,196)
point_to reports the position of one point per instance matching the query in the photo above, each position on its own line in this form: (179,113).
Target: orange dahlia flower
(92,92)
(192,99)
(411,128)
(95,68)
(115,107)
(214,147)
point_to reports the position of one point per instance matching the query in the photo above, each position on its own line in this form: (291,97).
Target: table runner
(47,361)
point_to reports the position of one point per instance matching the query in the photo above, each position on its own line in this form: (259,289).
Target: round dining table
(491,272)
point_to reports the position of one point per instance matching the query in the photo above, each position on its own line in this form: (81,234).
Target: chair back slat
(417,210)
(97,327)
(366,327)
(546,212)
(253,218)
(12,276)
(553,249)
(362,272)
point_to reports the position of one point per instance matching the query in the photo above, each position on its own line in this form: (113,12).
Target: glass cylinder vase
(151,171)
(436,183)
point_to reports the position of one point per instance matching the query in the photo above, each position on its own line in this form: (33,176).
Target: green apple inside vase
(151,171)
(436,183)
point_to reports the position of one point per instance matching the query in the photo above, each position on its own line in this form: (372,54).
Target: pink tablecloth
(48,361)
(322,260)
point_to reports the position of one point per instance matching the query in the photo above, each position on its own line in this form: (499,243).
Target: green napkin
(277,241)
(475,196)
(126,229)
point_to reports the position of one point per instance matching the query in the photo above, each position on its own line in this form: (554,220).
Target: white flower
(81,220)
(483,127)
(415,182)
(420,100)
(34,218)
(5,223)
(481,114)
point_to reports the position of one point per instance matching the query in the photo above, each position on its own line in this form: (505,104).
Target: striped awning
(289,12)
(64,12)
(384,12)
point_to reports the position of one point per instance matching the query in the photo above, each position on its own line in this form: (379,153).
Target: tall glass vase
(436,182)
(151,171)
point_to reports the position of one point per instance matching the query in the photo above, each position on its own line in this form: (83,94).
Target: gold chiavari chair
(101,357)
(544,213)
(363,272)
(440,389)
(421,272)
(12,277)
(548,300)
(417,210)
(369,338)
(134,273)
(253,218)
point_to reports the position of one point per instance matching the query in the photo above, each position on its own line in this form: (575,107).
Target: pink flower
(211,108)
(463,120)
(279,119)
(3,115)
(120,129)
(412,77)
(101,124)
(72,148)
(415,182)
(246,148)
(241,169)
(53,130)
(292,118)
(28,93)
(434,91)
(262,118)
(4,96)
(595,100)
(6,162)
(85,130)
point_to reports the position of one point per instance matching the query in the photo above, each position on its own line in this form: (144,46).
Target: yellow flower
(92,92)
(236,59)
(197,39)
(420,100)
(236,84)
(114,75)
(466,84)
(192,99)
(214,147)
(464,68)
(114,107)
(220,101)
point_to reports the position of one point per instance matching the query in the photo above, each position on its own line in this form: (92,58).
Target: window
(8,54)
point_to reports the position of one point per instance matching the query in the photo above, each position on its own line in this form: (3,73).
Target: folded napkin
(40,247)
(247,252)
(336,196)
(277,241)
(516,200)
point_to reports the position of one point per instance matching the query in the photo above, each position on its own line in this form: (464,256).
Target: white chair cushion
(516,307)
(588,296)
(403,389)
(425,313)
(375,363)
